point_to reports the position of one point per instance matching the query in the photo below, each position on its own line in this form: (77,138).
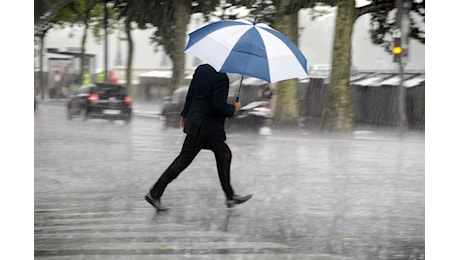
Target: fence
(375,100)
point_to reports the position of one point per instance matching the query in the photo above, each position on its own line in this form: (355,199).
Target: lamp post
(106,42)
(400,53)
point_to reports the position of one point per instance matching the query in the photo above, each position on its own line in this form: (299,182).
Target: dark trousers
(190,149)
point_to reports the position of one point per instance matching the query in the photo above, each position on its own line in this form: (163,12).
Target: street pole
(106,47)
(403,34)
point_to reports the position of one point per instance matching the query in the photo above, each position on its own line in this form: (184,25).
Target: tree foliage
(383,22)
(85,13)
(47,14)
(164,19)
(171,18)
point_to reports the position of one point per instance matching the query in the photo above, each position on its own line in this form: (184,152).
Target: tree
(287,109)
(89,14)
(47,14)
(339,114)
(171,19)
(131,11)
(282,15)
(172,34)
(339,111)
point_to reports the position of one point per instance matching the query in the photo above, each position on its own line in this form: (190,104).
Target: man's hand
(237,105)
(182,122)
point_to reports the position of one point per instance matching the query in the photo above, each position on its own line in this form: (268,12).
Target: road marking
(82,245)
(65,233)
(203,257)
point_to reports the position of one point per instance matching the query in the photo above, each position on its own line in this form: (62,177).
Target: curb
(149,114)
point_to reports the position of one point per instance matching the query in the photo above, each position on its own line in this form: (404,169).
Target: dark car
(100,100)
(254,113)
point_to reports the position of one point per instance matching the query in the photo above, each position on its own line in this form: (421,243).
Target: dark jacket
(206,104)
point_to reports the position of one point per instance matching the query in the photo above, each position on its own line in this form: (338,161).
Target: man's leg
(190,148)
(223,157)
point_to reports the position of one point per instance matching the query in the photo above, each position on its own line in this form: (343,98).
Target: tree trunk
(82,55)
(181,18)
(287,92)
(339,110)
(41,78)
(129,62)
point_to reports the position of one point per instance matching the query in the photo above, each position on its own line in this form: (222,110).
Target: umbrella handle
(241,82)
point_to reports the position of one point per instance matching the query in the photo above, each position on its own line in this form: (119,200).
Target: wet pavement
(316,196)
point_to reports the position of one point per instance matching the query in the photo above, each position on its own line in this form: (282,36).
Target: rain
(323,188)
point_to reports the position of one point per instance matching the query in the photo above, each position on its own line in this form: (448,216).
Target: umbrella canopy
(247,48)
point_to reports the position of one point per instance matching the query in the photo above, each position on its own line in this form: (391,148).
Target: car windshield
(85,89)
(109,89)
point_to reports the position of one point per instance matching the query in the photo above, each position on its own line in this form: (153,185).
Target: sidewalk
(147,109)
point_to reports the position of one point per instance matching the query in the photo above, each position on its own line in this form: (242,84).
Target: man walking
(203,118)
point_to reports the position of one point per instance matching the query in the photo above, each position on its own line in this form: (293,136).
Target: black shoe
(237,200)
(156,203)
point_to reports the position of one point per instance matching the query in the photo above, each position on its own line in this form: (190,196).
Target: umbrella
(247,48)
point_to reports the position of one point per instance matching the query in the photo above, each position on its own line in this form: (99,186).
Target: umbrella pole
(241,82)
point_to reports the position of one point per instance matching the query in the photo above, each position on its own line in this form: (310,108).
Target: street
(315,196)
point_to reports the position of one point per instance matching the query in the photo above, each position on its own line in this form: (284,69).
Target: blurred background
(144,50)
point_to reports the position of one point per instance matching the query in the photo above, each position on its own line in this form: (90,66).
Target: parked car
(254,115)
(100,100)
(172,106)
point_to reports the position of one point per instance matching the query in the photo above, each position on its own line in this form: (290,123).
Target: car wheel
(128,118)
(163,125)
(72,112)
(85,115)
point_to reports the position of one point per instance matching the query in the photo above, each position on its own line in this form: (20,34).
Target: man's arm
(220,95)
(188,101)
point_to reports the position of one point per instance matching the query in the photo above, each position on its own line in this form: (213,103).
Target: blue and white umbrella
(247,48)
